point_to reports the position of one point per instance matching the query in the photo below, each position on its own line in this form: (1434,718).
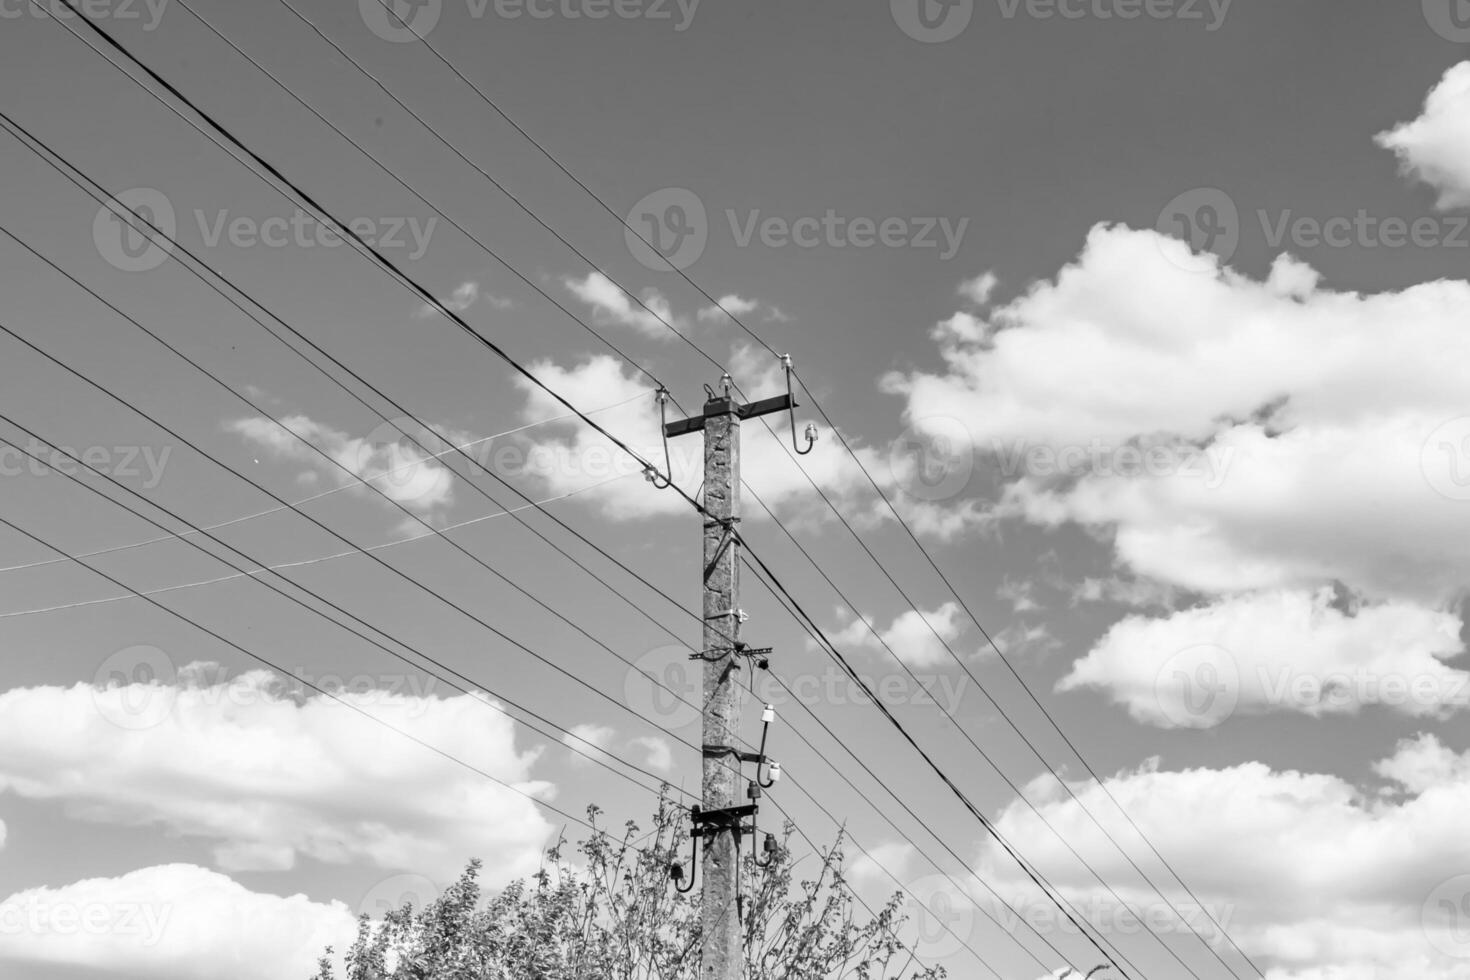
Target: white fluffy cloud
(1316,878)
(1277,651)
(1231,437)
(588,742)
(207,759)
(174,922)
(570,456)
(916,637)
(611,305)
(1435,147)
(383,458)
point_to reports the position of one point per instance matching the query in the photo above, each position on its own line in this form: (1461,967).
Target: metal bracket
(708,823)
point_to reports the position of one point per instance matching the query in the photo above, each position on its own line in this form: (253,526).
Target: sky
(1147,316)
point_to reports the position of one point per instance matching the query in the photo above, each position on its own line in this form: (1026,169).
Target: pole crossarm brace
(728,406)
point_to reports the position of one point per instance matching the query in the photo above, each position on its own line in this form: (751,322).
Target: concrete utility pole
(719,823)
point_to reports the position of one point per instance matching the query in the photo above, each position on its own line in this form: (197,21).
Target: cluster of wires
(276,578)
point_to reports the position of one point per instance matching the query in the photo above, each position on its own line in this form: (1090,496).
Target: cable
(346,486)
(959,794)
(550,157)
(320,690)
(321,526)
(268,568)
(317,596)
(356,240)
(970,739)
(349,234)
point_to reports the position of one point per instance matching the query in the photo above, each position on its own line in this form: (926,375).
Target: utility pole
(719,821)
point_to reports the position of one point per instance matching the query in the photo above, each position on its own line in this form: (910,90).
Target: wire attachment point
(811,432)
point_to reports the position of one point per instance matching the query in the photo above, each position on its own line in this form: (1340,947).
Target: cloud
(979,289)
(915,637)
(203,758)
(1293,651)
(612,305)
(588,742)
(385,457)
(891,858)
(1435,148)
(658,753)
(1316,878)
(570,456)
(174,922)
(463,298)
(730,305)
(1195,420)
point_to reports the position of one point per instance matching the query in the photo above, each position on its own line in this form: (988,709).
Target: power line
(385,263)
(970,739)
(552,158)
(1036,877)
(320,690)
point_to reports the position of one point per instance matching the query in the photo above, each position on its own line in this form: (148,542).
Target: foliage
(613,915)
